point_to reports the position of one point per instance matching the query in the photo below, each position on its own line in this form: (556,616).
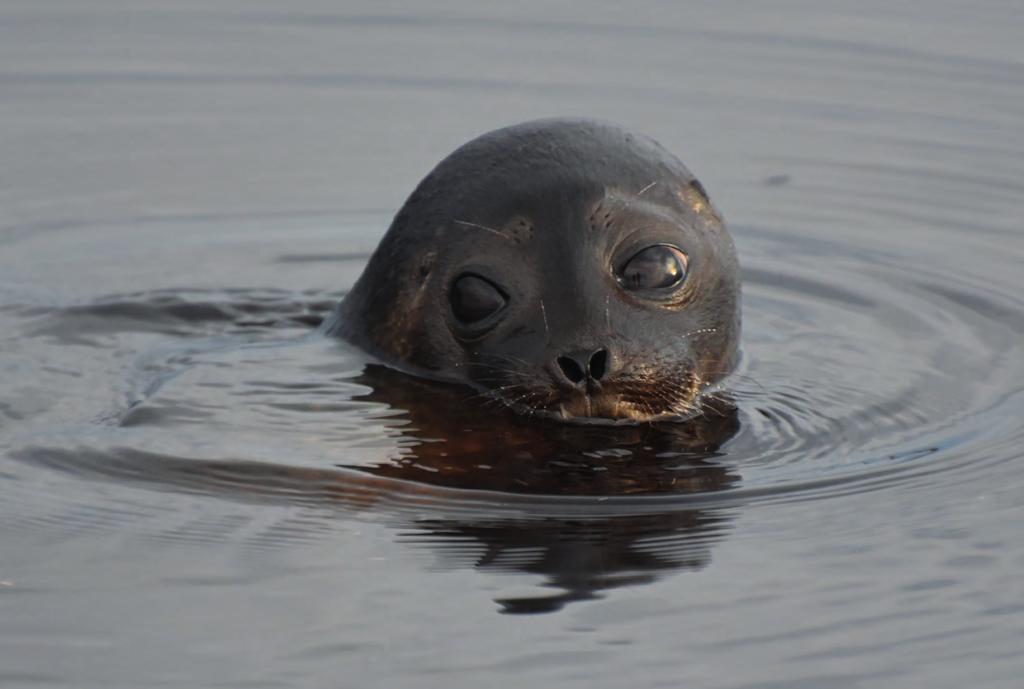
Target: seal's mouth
(649,404)
(610,413)
(641,393)
(613,409)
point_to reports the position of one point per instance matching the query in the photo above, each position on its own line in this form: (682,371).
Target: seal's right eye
(474,298)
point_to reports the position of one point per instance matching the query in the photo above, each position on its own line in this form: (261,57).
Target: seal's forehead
(571,210)
(659,199)
(517,230)
(548,162)
(520,207)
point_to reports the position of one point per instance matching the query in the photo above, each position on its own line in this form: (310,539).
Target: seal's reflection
(450,438)
(578,558)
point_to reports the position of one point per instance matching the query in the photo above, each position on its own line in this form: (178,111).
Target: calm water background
(186,187)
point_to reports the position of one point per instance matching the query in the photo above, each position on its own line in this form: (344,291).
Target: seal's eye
(657,267)
(474,298)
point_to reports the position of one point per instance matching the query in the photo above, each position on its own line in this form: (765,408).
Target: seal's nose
(583,366)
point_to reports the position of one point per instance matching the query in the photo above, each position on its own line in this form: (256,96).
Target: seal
(567,269)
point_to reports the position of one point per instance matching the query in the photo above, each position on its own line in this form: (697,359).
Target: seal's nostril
(572,370)
(598,364)
(578,367)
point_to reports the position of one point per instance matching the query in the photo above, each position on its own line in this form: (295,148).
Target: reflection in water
(589,508)
(578,558)
(231,403)
(454,443)
(450,438)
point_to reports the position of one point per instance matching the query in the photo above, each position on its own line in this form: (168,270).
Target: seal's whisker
(732,377)
(544,315)
(706,404)
(466,223)
(491,393)
(520,400)
(510,358)
(507,371)
(647,188)
(699,331)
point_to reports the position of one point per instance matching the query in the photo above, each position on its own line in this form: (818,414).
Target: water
(197,490)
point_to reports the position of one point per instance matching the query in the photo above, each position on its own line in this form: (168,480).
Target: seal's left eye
(474,298)
(657,267)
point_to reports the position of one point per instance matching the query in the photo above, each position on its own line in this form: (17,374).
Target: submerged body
(568,269)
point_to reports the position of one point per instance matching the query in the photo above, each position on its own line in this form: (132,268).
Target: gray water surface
(198,490)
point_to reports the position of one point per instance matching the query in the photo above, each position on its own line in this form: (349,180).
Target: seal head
(567,269)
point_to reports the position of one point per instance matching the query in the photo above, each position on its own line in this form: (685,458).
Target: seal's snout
(583,368)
